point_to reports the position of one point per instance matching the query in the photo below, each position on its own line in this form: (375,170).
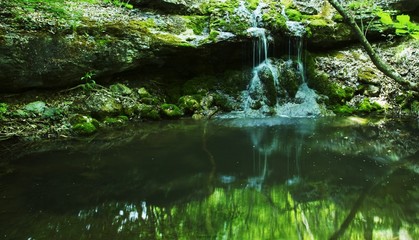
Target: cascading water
(255,102)
(264,94)
(305,104)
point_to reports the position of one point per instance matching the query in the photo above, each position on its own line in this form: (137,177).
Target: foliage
(3,109)
(120,3)
(403,25)
(89,82)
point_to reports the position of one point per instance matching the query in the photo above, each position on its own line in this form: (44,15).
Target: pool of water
(275,178)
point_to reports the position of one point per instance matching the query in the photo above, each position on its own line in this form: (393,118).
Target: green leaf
(401,32)
(385,18)
(404,19)
(400,26)
(413,27)
(415,35)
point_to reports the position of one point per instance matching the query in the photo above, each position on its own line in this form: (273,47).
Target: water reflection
(275,178)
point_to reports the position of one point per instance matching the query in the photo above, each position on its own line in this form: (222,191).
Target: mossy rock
(86,128)
(52,113)
(101,105)
(366,106)
(225,102)
(224,18)
(170,111)
(198,24)
(318,23)
(189,104)
(415,108)
(149,112)
(367,75)
(143,93)
(37,107)
(344,110)
(150,100)
(273,18)
(293,14)
(84,125)
(405,99)
(116,121)
(337,93)
(120,89)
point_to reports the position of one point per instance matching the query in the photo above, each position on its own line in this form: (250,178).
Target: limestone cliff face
(54,46)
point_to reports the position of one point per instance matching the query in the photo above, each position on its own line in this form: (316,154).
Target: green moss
(3,108)
(274,19)
(366,106)
(171,39)
(148,112)
(366,75)
(224,18)
(320,81)
(415,108)
(344,110)
(189,104)
(318,23)
(37,107)
(337,18)
(142,25)
(84,125)
(143,93)
(253,4)
(293,14)
(171,111)
(52,113)
(117,121)
(213,35)
(120,89)
(86,128)
(197,23)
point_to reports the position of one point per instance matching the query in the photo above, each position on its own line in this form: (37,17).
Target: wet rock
(174,6)
(170,111)
(270,91)
(369,90)
(404,5)
(326,34)
(84,125)
(189,104)
(37,107)
(148,111)
(102,104)
(115,121)
(143,93)
(367,75)
(120,89)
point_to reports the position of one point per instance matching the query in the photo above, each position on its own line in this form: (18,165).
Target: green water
(333,178)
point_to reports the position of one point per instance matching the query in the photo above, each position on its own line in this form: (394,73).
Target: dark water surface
(282,178)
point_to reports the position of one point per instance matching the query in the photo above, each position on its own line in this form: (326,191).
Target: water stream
(262,97)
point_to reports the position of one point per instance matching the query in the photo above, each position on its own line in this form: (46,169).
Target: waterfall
(264,95)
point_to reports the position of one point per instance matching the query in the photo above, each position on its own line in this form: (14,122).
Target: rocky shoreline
(72,69)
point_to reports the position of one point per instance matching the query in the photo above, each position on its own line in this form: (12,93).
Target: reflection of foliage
(235,214)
